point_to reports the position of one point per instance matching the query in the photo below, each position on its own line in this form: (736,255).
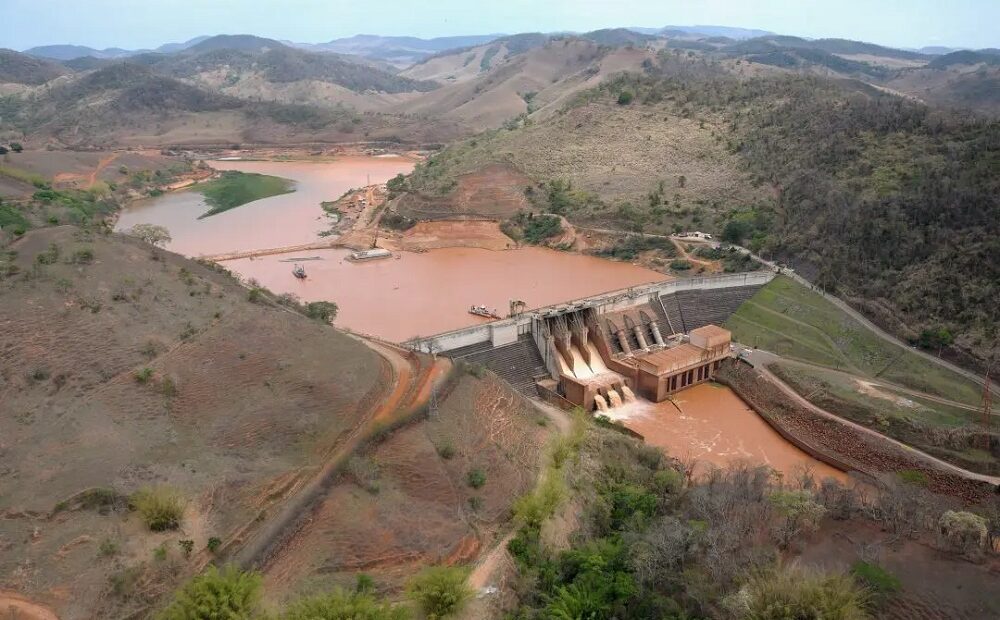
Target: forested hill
(894,205)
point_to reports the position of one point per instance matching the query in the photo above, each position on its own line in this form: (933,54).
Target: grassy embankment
(851,372)
(234,189)
(788,319)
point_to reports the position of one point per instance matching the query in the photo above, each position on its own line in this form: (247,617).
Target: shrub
(229,594)
(144,375)
(475,503)
(187,546)
(625,97)
(912,476)
(324,311)
(108,548)
(213,544)
(83,256)
(48,257)
(876,578)
(161,508)
(341,605)
(256,295)
(440,591)
(963,531)
(446,450)
(476,478)
(790,594)
(680,264)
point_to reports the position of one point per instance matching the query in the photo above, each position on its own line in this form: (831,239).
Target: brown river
(410,294)
(420,294)
(712,426)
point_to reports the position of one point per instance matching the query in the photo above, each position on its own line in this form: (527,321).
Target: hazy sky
(148,23)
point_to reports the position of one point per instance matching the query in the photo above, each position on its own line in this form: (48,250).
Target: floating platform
(367,255)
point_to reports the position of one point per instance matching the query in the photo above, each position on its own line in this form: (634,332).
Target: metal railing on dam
(506,331)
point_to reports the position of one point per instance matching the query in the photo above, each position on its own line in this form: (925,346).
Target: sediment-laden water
(710,424)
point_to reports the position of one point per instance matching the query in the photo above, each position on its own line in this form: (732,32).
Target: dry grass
(255,395)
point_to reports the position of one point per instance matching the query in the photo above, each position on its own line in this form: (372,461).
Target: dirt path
(760,360)
(492,561)
(411,385)
(17,607)
(101,165)
(890,386)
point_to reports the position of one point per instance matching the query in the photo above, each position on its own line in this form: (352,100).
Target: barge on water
(359,256)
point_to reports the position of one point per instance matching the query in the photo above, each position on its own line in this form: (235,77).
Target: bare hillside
(520,83)
(136,369)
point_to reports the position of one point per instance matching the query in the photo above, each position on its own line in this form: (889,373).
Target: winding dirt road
(761,359)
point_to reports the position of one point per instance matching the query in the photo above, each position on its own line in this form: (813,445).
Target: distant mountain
(69,52)
(718,31)
(170,48)
(938,50)
(261,59)
(617,37)
(18,68)
(966,57)
(240,42)
(398,50)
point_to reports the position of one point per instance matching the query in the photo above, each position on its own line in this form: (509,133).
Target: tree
(325,311)
(17,147)
(151,234)
(736,231)
(227,594)
(440,591)
(801,512)
(625,97)
(341,605)
(791,593)
(3,150)
(938,338)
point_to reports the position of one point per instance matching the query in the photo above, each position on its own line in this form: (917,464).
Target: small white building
(695,235)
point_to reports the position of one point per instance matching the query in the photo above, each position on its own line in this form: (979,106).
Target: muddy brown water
(429,293)
(411,294)
(288,219)
(711,425)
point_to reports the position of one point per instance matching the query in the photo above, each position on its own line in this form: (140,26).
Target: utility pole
(987,407)
(432,406)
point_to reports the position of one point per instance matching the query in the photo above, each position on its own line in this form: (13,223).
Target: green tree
(325,311)
(151,234)
(440,591)
(227,594)
(341,605)
(625,97)
(17,147)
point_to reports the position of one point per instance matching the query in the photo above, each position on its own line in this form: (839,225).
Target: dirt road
(840,303)
(411,385)
(761,359)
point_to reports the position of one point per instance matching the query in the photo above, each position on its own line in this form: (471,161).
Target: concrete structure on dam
(599,352)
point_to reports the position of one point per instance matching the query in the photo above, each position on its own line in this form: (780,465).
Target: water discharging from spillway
(580,368)
(628,394)
(614,398)
(602,405)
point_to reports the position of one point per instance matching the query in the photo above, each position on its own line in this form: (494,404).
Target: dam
(605,351)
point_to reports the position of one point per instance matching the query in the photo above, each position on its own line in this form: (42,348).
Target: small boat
(484,312)
(299,272)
